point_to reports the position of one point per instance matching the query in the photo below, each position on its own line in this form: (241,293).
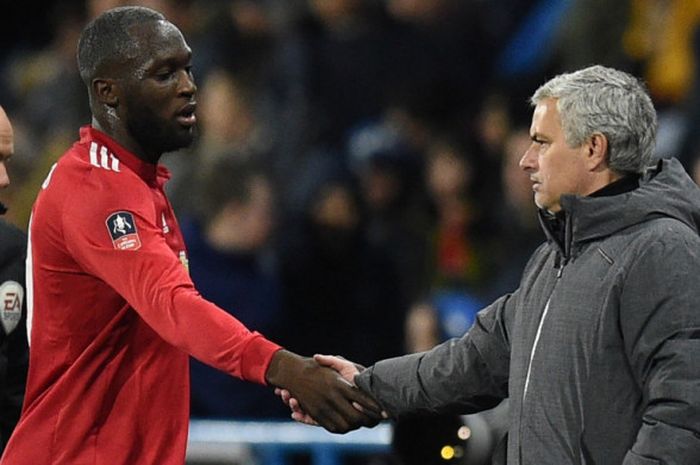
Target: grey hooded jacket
(599,348)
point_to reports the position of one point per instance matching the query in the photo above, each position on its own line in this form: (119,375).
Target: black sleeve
(14,353)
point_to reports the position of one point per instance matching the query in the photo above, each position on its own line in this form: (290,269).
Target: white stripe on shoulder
(104,158)
(93,154)
(107,160)
(115,162)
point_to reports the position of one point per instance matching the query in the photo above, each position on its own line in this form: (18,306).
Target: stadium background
(354,188)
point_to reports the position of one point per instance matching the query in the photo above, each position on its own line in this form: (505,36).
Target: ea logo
(11,297)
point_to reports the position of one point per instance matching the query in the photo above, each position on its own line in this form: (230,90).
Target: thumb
(331,361)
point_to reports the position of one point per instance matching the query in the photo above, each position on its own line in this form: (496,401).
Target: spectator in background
(346,50)
(458,253)
(585,36)
(337,284)
(689,152)
(388,172)
(438,53)
(519,232)
(14,357)
(232,265)
(48,101)
(659,39)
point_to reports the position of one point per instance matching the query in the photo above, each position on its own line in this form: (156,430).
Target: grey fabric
(615,375)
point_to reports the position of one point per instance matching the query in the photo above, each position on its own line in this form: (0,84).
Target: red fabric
(112,327)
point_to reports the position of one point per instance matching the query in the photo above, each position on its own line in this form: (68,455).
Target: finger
(307,420)
(366,404)
(359,407)
(330,356)
(284,395)
(369,413)
(294,405)
(331,361)
(333,419)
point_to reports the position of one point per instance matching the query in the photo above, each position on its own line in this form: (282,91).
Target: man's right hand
(324,394)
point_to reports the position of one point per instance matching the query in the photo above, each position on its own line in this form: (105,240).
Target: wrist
(282,368)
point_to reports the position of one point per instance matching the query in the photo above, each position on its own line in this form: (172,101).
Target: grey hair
(607,101)
(105,41)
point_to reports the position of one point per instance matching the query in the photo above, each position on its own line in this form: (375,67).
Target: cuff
(256,358)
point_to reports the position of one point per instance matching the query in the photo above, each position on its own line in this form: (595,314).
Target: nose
(4,177)
(187,84)
(528,162)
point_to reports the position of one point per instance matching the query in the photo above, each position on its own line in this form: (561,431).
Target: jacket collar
(665,190)
(559,227)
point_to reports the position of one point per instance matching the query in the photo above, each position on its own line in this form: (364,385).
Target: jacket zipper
(532,356)
(539,331)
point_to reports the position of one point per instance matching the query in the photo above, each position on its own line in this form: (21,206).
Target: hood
(665,190)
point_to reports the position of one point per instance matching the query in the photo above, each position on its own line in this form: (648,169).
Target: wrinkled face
(554,167)
(157,102)
(7,148)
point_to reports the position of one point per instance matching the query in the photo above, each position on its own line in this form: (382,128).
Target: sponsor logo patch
(11,297)
(122,230)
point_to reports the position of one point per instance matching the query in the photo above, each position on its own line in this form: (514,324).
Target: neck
(113,127)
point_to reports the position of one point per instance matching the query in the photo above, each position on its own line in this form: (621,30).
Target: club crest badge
(122,230)
(11,298)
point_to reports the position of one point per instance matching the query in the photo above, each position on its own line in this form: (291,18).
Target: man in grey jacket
(598,350)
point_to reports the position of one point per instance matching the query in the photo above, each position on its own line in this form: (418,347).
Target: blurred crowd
(354,188)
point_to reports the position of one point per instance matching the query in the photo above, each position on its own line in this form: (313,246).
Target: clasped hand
(322,395)
(366,407)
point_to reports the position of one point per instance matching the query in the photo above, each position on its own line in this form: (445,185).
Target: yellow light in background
(447,452)
(464,433)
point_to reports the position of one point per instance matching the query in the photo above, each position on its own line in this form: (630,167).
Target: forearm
(434,381)
(459,375)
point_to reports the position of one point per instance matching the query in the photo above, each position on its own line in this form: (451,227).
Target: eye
(164,75)
(541,143)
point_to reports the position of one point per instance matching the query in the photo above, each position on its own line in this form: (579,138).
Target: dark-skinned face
(157,101)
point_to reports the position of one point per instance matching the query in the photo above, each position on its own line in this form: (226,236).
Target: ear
(106,91)
(597,152)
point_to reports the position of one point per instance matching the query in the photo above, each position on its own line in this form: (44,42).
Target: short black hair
(106,39)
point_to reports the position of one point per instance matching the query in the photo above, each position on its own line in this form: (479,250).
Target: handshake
(321,391)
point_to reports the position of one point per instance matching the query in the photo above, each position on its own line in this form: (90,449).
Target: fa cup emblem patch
(122,230)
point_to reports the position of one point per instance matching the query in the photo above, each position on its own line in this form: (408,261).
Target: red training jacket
(113,316)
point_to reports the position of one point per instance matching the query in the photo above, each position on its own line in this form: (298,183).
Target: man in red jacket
(113,314)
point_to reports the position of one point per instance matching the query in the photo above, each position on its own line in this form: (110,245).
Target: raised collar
(622,185)
(153,174)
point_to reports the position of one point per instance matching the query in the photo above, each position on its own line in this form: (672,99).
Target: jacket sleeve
(156,284)
(660,322)
(458,376)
